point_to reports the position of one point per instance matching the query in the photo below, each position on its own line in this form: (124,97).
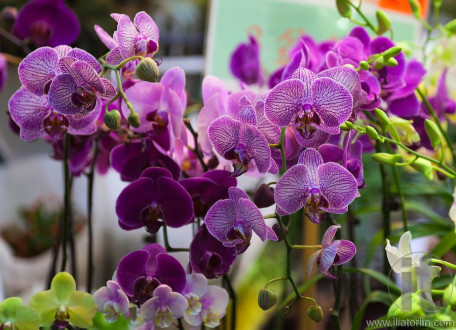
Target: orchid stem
(115,98)
(90,184)
(281,278)
(166,242)
(232,294)
(179,324)
(282,149)
(196,149)
(437,121)
(360,13)
(12,59)
(270,216)
(121,64)
(66,206)
(385,210)
(122,93)
(301,247)
(445,263)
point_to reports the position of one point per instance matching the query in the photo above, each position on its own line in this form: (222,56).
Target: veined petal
(337,185)
(235,194)
(37,69)
(211,86)
(177,304)
(270,131)
(327,256)
(86,76)
(251,215)
(114,57)
(257,145)
(311,262)
(83,56)
(220,218)
(28,110)
(332,102)
(293,189)
(284,100)
(312,159)
(146,25)
(105,38)
(224,134)
(82,123)
(63,285)
(126,36)
(174,79)
(196,284)
(62,87)
(329,235)
(247,115)
(149,309)
(62,50)
(110,90)
(307,77)
(345,252)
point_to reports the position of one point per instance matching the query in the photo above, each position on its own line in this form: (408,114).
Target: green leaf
(375,296)
(377,276)
(344,8)
(446,244)
(420,230)
(99,323)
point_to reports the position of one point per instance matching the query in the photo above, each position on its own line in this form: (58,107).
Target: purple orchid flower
(153,200)
(131,38)
(208,189)
(245,62)
(131,159)
(208,255)
(332,253)
(442,103)
(315,106)
(350,156)
(231,221)
(160,106)
(140,272)
(318,187)
(47,23)
(206,304)
(164,306)
(112,301)
(3,71)
(403,102)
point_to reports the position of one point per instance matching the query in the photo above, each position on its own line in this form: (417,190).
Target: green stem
(166,242)
(300,247)
(271,216)
(437,121)
(90,183)
(112,101)
(180,325)
(232,294)
(281,278)
(360,13)
(66,203)
(282,149)
(121,64)
(445,263)
(122,93)
(196,150)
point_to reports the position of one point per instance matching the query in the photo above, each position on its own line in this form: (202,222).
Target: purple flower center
(241,159)
(145,46)
(241,234)
(40,31)
(210,262)
(56,125)
(84,98)
(304,119)
(150,216)
(313,205)
(144,288)
(159,119)
(61,318)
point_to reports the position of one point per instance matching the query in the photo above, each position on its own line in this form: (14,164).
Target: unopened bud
(315,313)
(112,119)
(423,166)
(382,118)
(147,70)
(133,120)
(278,231)
(384,23)
(449,295)
(266,298)
(9,15)
(433,133)
(371,132)
(264,196)
(451,26)
(385,158)
(344,8)
(391,62)
(391,52)
(416,8)
(364,65)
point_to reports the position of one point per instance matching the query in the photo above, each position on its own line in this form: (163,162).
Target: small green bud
(382,118)
(416,8)
(371,132)
(349,124)
(451,26)
(364,65)
(391,52)
(344,8)
(384,23)
(112,119)
(391,62)
(423,166)
(315,313)
(385,158)
(433,133)
(344,127)
(351,66)
(147,70)
(133,120)
(266,298)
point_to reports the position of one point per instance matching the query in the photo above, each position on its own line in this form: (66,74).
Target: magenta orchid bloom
(315,186)
(332,253)
(164,307)
(232,221)
(245,62)
(315,106)
(137,38)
